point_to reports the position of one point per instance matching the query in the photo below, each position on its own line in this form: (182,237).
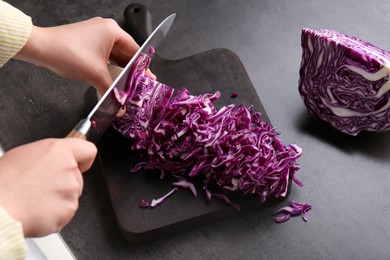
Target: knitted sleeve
(15,28)
(12,242)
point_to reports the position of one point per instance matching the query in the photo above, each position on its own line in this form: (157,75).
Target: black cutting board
(207,72)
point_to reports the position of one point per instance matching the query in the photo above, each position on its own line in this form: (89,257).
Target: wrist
(33,50)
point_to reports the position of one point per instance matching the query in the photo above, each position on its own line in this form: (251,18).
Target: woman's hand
(80,51)
(41,182)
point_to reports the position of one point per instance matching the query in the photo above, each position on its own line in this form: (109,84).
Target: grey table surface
(346,179)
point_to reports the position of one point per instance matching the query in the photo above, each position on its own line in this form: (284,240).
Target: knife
(95,124)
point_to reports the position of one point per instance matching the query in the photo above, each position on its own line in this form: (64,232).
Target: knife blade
(95,124)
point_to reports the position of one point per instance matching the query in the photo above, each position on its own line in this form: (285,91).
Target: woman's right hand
(41,182)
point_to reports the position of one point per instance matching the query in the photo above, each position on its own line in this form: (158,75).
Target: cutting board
(206,72)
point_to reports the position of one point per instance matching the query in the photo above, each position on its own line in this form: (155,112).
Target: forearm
(15,29)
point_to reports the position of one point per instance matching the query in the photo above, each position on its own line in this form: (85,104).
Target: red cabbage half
(185,136)
(345,81)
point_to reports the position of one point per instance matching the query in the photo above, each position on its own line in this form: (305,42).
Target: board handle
(138,22)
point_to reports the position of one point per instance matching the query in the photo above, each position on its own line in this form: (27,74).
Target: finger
(124,48)
(121,112)
(80,181)
(150,74)
(83,151)
(102,81)
(68,212)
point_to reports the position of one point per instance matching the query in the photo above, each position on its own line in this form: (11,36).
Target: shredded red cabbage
(136,77)
(295,209)
(156,202)
(186,185)
(143,203)
(187,137)
(151,50)
(234,94)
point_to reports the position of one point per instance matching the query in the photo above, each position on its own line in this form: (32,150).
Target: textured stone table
(346,178)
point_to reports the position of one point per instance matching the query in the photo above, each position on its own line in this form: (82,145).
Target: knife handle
(76,134)
(138,22)
(82,128)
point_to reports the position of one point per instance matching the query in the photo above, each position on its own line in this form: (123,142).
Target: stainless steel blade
(101,116)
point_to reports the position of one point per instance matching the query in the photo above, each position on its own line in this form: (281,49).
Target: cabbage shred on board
(185,136)
(345,81)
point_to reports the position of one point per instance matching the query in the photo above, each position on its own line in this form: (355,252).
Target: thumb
(84,152)
(109,75)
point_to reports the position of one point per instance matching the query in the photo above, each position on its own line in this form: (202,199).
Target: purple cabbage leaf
(294,209)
